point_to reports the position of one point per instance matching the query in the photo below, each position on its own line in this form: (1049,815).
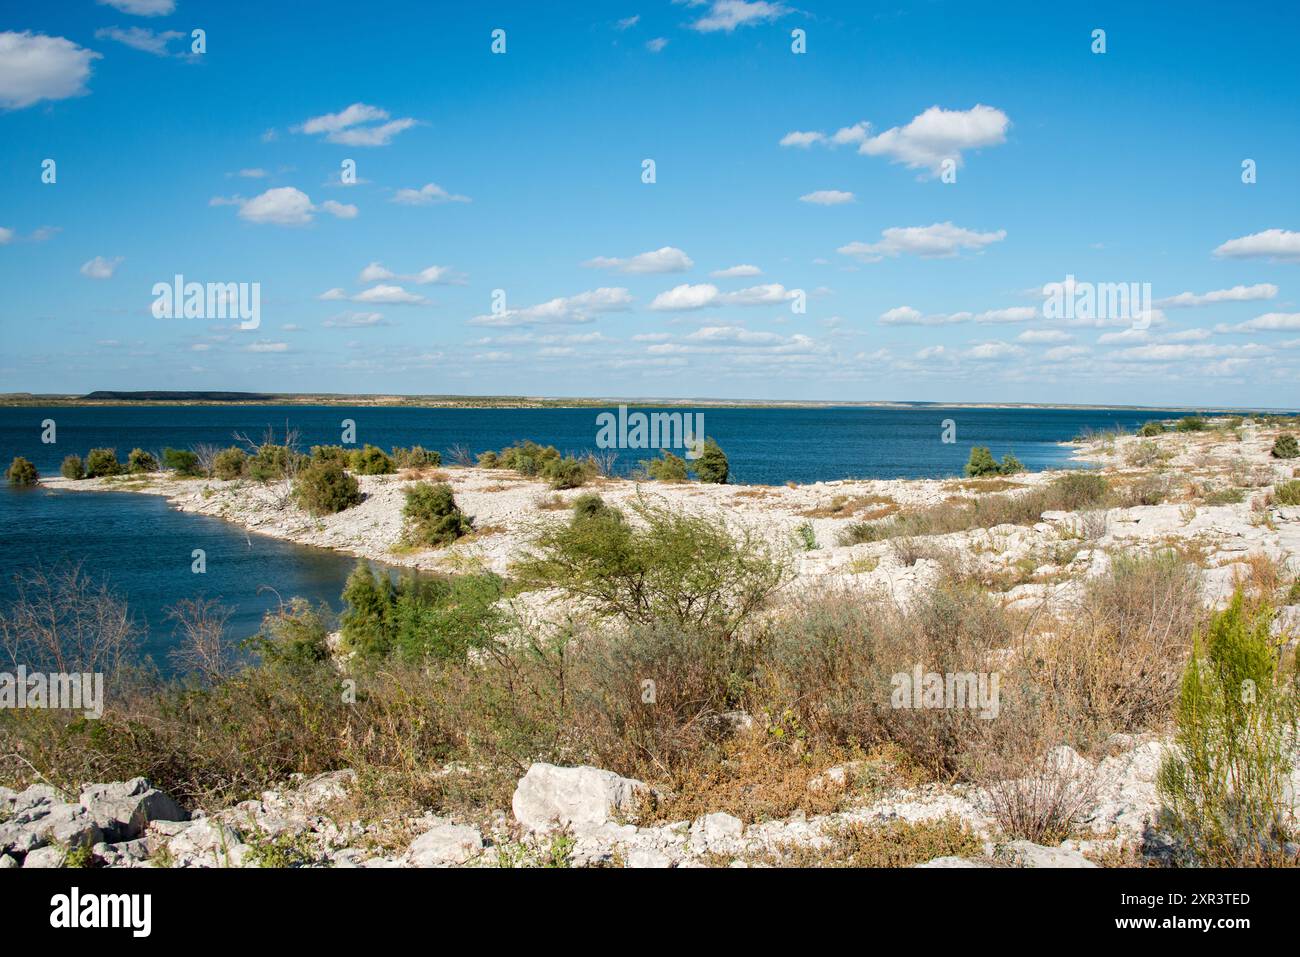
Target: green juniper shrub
(23,472)
(141,461)
(368,597)
(488,460)
(229,463)
(527,457)
(567,472)
(432,516)
(331,453)
(370,460)
(982,463)
(72,467)
(712,465)
(324,488)
(670,468)
(1286,447)
(1224,787)
(182,461)
(1010,465)
(101,462)
(416,457)
(1150,429)
(591,505)
(273,462)
(295,635)
(1191,423)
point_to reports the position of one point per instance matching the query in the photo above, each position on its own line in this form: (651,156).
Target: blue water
(142,548)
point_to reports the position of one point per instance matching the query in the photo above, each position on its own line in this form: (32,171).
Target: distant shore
(159,398)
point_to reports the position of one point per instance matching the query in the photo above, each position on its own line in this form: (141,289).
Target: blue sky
(522,172)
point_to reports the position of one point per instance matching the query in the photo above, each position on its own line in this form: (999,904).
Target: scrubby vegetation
(981,463)
(324,488)
(72,467)
(712,465)
(432,516)
(370,460)
(229,464)
(667,468)
(22,472)
(183,461)
(1151,429)
(101,462)
(1286,447)
(139,461)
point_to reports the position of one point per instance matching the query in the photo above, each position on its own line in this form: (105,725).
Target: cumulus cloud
(101,267)
(1276,245)
(827,197)
(267,347)
(907,316)
(1269,322)
(141,8)
(727,15)
(664,259)
(35,67)
(6,235)
(427,195)
(389,294)
(1065,353)
(355,320)
(686,297)
(584,307)
(1043,336)
(1263,290)
(736,272)
(940,240)
(357,125)
(656,45)
(140,38)
(992,351)
(430,275)
(283,206)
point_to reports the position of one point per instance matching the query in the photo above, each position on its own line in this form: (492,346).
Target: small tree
(981,462)
(1192,423)
(1286,447)
(591,505)
(229,463)
(23,472)
(323,488)
(1223,788)
(567,472)
(416,457)
(670,468)
(182,462)
(712,465)
(432,516)
(371,460)
(141,461)
(1150,429)
(100,462)
(72,467)
(364,624)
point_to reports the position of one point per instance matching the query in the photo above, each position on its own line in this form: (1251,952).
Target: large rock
(580,798)
(123,810)
(444,845)
(1028,854)
(45,857)
(208,843)
(719,833)
(954,862)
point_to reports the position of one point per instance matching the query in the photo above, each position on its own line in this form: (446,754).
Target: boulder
(648,857)
(718,832)
(44,857)
(954,862)
(123,811)
(580,798)
(444,845)
(1029,854)
(7,863)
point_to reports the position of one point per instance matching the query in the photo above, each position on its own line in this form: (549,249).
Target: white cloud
(427,195)
(939,134)
(1165,352)
(990,351)
(267,347)
(1278,245)
(1010,314)
(140,38)
(937,241)
(389,295)
(1263,290)
(1064,353)
(665,259)
(726,15)
(827,197)
(35,67)
(100,267)
(254,173)
(1043,336)
(686,297)
(355,320)
(907,316)
(628,22)
(802,139)
(357,125)
(283,206)
(763,295)
(141,8)
(1269,322)
(430,275)
(656,45)
(341,210)
(736,272)
(6,235)
(583,307)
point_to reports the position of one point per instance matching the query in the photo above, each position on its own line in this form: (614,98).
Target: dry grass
(847,506)
(891,844)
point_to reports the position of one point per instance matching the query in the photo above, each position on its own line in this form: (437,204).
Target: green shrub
(432,516)
(526,458)
(1286,447)
(273,462)
(1150,429)
(670,468)
(591,505)
(72,467)
(23,472)
(229,463)
(296,635)
(416,457)
(324,488)
(1077,490)
(331,453)
(1223,789)
(687,570)
(488,460)
(712,465)
(370,460)
(1288,493)
(567,472)
(1191,423)
(182,461)
(101,462)
(982,463)
(141,461)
